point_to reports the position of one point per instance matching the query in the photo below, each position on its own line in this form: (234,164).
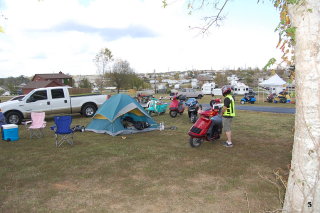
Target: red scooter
(176,106)
(208,127)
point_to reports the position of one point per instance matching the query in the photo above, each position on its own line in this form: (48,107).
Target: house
(60,78)
(39,84)
(47,80)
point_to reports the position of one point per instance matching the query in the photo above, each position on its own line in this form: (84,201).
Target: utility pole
(155,85)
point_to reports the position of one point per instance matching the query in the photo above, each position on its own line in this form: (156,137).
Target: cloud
(106,33)
(40,56)
(53,35)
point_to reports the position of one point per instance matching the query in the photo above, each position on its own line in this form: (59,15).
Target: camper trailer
(240,88)
(207,88)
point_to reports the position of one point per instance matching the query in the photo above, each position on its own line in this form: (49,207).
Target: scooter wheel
(173,114)
(195,142)
(241,102)
(193,118)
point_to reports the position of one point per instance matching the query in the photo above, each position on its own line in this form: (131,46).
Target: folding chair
(62,129)
(2,122)
(37,124)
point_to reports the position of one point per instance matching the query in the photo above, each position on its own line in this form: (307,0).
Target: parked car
(51,100)
(190,93)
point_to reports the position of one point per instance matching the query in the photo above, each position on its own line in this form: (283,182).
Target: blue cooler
(10,132)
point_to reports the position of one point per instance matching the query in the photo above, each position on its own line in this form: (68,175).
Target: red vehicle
(176,106)
(208,127)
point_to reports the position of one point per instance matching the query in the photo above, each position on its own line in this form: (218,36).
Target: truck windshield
(38,95)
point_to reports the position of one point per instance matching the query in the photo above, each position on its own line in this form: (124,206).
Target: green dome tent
(110,115)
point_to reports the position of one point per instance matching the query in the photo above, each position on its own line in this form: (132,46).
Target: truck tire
(13,117)
(88,110)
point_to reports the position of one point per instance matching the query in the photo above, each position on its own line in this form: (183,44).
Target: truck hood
(5,105)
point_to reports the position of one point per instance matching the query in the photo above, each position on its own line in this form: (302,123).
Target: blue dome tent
(110,115)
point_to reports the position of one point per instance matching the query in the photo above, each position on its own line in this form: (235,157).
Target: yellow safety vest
(230,110)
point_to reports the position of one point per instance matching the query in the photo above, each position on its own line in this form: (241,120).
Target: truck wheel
(14,117)
(173,114)
(88,110)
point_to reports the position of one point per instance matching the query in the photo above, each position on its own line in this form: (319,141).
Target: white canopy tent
(275,84)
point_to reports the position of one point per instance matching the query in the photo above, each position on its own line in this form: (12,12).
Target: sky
(49,36)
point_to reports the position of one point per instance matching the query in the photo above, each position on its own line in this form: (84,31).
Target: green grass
(151,172)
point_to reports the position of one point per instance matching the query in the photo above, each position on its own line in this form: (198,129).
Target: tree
(303,189)
(137,83)
(120,74)
(85,83)
(103,60)
(221,79)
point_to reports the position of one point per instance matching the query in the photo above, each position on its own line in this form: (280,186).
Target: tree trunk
(303,190)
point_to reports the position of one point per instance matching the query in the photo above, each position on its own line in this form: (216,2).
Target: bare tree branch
(211,20)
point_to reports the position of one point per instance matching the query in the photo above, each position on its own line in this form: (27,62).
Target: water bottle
(161,126)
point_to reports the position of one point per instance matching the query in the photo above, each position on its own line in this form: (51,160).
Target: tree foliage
(221,79)
(85,83)
(120,74)
(103,61)
(12,83)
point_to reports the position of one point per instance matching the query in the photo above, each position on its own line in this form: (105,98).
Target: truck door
(38,101)
(59,101)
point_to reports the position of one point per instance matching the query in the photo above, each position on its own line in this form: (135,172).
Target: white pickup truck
(190,93)
(51,100)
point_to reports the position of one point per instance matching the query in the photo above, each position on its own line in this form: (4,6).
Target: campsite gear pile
(208,127)
(270,97)
(121,114)
(156,106)
(193,107)
(176,107)
(282,97)
(144,99)
(248,98)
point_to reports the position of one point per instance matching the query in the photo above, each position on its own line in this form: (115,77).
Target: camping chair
(37,124)
(62,129)
(2,122)
(2,119)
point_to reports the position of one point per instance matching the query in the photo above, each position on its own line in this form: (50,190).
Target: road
(267,109)
(262,108)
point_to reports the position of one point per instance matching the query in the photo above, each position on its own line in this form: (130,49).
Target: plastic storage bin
(10,132)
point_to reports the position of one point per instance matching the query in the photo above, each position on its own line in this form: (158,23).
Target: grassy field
(151,172)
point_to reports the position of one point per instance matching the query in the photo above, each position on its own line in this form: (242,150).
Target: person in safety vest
(228,113)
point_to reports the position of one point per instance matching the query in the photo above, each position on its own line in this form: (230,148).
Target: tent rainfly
(110,115)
